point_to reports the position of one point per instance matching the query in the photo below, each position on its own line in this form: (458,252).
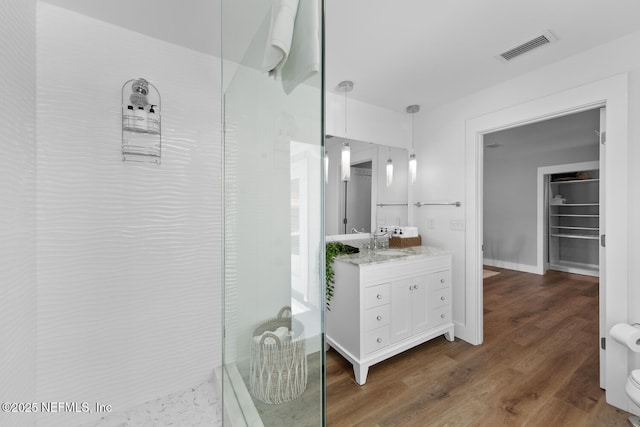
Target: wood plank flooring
(538,366)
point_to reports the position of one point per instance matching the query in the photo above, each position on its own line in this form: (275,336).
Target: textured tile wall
(129,254)
(17,208)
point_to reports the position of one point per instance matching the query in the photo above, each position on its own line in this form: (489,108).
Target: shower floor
(195,406)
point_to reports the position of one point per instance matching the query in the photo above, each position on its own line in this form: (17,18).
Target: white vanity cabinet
(384,307)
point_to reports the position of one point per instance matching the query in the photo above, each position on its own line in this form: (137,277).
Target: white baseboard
(526,268)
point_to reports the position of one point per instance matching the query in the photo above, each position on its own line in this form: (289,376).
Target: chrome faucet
(375,240)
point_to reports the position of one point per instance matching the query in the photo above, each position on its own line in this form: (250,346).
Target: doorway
(513,237)
(356,200)
(612,93)
(541,187)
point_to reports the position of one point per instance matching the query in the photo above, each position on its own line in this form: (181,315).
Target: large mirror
(366,201)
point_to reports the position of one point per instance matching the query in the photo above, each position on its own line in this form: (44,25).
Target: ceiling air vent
(541,40)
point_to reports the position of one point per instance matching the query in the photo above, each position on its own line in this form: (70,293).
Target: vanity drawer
(375,296)
(440,279)
(376,317)
(376,339)
(440,297)
(440,315)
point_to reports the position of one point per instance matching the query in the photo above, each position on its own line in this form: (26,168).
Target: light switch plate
(456,224)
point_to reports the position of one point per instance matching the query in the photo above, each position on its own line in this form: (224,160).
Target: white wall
(17,211)
(442,173)
(366,122)
(128,254)
(510,182)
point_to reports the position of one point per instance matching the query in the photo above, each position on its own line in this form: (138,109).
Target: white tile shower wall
(17,211)
(128,253)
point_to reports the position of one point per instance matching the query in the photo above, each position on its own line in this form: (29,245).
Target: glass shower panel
(273,358)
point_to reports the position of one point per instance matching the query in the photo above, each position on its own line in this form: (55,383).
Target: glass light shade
(346,162)
(326,166)
(389,173)
(413,168)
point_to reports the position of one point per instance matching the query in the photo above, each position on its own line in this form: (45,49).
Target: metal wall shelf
(141,123)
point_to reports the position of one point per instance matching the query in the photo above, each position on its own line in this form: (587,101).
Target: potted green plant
(333,249)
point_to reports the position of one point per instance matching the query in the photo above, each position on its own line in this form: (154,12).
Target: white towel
(283,16)
(267,341)
(282,333)
(409,232)
(304,57)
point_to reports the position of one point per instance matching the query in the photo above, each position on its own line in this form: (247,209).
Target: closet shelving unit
(574,231)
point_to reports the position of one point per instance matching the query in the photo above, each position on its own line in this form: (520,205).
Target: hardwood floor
(538,366)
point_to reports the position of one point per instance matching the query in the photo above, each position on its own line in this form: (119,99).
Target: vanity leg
(360,372)
(449,335)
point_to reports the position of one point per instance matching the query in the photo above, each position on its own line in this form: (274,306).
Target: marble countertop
(390,255)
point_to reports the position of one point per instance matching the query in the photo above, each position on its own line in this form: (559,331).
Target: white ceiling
(397,52)
(427,52)
(196,26)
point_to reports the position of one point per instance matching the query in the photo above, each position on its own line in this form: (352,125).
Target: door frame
(613,93)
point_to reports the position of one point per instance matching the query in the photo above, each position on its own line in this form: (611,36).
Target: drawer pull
(379,317)
(410,287)
(379,340)
(441,280)
(442,316)
(442,298)
(379,296)
(415,286)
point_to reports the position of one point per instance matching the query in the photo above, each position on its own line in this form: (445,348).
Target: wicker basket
(404,242)
(278,372)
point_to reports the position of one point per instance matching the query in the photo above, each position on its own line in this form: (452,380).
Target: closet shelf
(577,236)
(575,204)
(573,229)
(565,227)
(575,267)
(573,181)
(578,215)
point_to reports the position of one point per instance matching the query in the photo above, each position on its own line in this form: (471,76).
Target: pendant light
(346,86)
(389,170)
(326,167)
(413,163)
(345,164)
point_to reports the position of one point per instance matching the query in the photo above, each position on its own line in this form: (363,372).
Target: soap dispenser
(153,124)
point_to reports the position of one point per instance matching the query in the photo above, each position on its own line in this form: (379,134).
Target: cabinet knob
(441,280)
(379,340)
(379,296)
(415,286)
(442,316)
(442,298)
(379,317)
(410,287)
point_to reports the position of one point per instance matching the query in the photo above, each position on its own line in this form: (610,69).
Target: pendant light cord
(345,111)
(413,131)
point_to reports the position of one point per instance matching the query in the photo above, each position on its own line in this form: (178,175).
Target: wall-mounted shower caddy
(141,123)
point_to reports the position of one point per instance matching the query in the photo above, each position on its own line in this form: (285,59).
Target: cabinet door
(400,310)
(419,304)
